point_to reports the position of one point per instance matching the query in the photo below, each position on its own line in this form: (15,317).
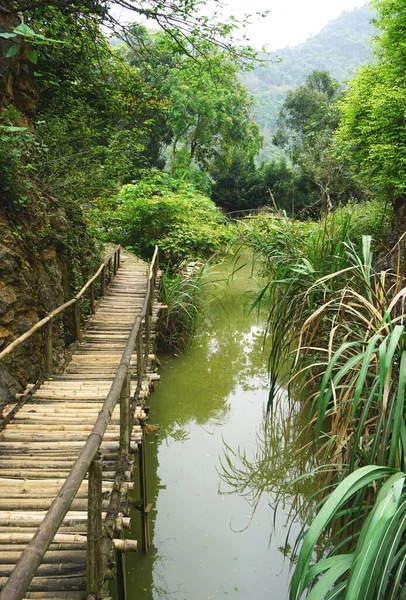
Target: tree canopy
(372,132)
(184,20)
(306,127)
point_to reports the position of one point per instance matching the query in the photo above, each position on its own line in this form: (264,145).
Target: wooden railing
(248,212)
(89,461)
(105,271)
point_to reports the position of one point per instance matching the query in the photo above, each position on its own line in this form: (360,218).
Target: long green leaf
(349,486)
(340,565)
(398,416)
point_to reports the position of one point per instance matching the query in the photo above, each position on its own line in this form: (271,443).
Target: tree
(183,20)
(306,128)
(372,131)
(208,110)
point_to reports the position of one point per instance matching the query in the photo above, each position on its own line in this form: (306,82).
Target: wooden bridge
(67,444)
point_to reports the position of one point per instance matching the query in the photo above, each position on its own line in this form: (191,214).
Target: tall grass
(182,295)
(340,327)
(177,323)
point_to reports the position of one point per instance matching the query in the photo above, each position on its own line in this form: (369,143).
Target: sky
(290,22)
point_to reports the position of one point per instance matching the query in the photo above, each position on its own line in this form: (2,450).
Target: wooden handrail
(31,558)
(25,336)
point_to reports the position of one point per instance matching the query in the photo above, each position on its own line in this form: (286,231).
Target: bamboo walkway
(40,445)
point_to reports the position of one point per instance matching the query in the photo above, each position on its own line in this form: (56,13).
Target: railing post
(103,282)
(147,335)
(110,269)
(118,257)
(115,264)
(144,508)
(121,591)
(48,349)
(125,415)
(94,527)
(76,321)
(92,302)
(140,355)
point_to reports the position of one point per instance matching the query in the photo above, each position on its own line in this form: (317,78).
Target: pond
(217,468)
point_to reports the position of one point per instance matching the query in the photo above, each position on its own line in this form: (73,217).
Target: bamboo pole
(52,314)
(35,328)
(125,415)
(76,321)
(11,557)
(103,281)
(94,527)
(110,270)
(140,356)
(92,301)
(120,576)
(147,336)
(48,348)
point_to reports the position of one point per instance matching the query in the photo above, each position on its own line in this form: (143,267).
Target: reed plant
(177,322)
(338,331)
(360,432)
(182,295)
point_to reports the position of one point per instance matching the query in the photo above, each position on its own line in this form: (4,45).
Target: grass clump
(340,325)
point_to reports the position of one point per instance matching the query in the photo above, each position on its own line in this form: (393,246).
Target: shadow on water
(217,469)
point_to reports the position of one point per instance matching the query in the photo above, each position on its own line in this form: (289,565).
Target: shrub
(160,210)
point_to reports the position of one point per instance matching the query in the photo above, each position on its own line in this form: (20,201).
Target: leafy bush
(16,148)
(161,210)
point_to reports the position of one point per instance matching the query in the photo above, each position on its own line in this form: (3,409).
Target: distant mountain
(340,48)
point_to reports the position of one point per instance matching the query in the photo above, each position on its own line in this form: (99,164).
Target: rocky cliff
(46,252)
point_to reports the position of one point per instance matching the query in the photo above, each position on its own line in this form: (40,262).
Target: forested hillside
(341,47)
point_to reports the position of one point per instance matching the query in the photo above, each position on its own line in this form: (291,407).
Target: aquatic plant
(374,559)
(340,326)
(181,294)
(178,321)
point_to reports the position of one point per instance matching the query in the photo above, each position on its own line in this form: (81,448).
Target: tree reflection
(279,467)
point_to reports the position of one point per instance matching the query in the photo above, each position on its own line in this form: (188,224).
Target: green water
(214,474)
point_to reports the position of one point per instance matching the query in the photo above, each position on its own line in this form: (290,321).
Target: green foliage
(373,566)
(97,118)
(340,48)
(306,126)
(16,147)
(295,256)
(161,210)
(177,323)
(342,325)
(208,109)
(308,110)
(247,186)
(26,40)
(186,20)
(371,132)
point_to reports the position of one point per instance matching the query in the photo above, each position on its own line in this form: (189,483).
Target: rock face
(46,253)
(42,265)
(31,284)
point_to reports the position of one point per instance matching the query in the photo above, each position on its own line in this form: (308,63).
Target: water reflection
(275,465)
(213,461)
